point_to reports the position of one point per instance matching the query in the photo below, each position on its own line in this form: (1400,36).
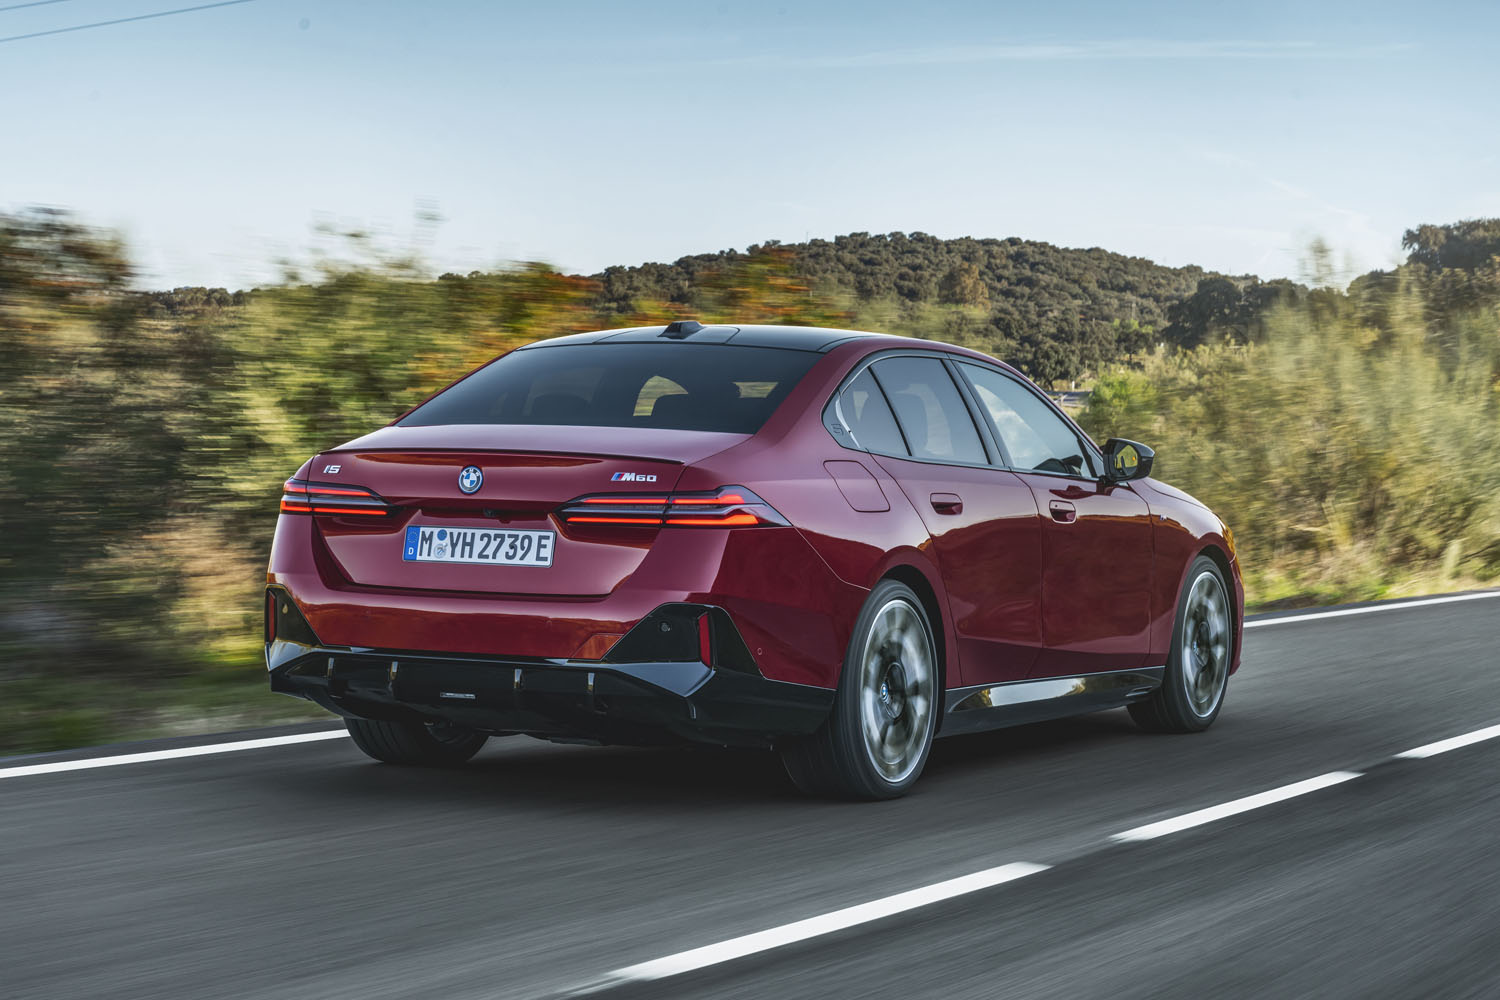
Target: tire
(430,745)
(876,739)
(1197,675)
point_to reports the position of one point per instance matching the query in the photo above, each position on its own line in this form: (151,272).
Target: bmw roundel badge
(470,479)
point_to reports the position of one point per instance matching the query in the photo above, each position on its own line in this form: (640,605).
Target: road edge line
(813,927)
(1234,807)
(1417,602)
(1451,743)
(202,750)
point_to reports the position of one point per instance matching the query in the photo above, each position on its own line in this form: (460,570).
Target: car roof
(794,338)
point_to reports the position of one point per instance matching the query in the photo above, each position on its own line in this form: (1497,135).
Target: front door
(1097,537)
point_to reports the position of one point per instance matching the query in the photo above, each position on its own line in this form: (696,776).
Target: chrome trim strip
(991,706)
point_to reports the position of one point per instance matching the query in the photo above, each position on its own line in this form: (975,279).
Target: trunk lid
(528,472)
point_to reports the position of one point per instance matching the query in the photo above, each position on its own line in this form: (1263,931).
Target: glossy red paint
(1097,554)
(1181,529)
(1016,591)
(988,543)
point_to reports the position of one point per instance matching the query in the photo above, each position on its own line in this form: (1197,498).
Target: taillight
(302,497)
(725,507)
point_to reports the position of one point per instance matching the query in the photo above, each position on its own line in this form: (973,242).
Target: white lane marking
(827,923)
(1393,606)
(1452,743)
(89,763)
(1226,809)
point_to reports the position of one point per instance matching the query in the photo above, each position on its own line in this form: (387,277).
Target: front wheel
(432,744)
(875,741)
(1192,687)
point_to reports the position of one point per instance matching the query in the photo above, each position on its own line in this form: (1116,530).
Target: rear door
(986,533)
(1098,552)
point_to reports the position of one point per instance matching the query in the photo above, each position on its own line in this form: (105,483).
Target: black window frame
(997,457)
(833,414)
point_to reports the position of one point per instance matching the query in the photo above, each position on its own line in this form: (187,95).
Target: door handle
(947,503)
(1063,512)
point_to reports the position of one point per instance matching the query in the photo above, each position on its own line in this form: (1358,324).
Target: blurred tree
(88,455)
(1213,308)
(964,286)
(1224,311)
(1467,245)
(1329,446)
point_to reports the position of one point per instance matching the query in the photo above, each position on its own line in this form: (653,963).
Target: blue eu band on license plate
(485,546)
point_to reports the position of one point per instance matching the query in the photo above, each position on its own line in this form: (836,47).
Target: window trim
(980,417)
(994,459)
(1084,441)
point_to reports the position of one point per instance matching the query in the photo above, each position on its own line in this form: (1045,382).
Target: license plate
(493,547)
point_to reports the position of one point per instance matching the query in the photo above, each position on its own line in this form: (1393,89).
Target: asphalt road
(306,871)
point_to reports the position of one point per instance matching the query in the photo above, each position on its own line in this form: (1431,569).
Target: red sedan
(834,544)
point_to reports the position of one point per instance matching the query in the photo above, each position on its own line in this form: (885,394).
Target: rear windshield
(691,387)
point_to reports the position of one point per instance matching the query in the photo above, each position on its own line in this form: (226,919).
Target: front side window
(933,416)
(696,387)
(1035,436)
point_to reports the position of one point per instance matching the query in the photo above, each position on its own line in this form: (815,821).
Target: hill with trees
(1055,312)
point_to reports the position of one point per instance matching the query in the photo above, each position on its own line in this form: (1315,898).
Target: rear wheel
(1192,688)
(875,741)
(434,744)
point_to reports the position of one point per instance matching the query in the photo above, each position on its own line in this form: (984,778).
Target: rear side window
(863,408)
(694,387)
(933,416)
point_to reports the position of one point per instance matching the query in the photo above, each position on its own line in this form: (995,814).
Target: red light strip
(724,521)
(701,517)
(300,506)
(705,640)
(302,497)
(614,520)
(332,491)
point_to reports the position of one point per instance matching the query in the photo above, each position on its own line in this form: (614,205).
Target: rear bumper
(628,703)
(792,613)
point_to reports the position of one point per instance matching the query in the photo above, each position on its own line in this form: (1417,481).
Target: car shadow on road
(522,771)
(1021,746)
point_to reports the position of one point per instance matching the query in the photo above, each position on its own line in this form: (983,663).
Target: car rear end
(520,554)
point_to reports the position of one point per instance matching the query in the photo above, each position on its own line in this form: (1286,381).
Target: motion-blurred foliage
(1350,444)
(1345,435)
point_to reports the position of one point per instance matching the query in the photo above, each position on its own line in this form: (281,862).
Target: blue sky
(585,134)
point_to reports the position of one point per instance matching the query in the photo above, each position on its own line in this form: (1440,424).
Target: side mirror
(1125,460)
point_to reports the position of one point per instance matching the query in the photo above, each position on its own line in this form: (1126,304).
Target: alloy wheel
(896,690)
(1205,644)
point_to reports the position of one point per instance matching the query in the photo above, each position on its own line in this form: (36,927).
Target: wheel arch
(916,580)
(1220,558)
